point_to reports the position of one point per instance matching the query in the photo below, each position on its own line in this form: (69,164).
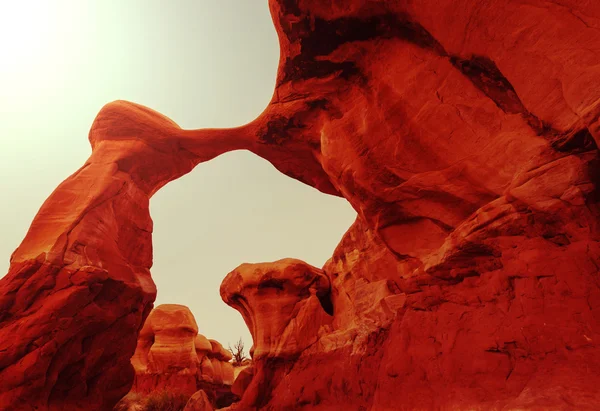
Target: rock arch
(466,139)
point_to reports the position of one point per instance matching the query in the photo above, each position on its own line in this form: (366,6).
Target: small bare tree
(238,353)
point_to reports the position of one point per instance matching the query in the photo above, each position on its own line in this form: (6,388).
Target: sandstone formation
(237,369)
(198,402)
(280,303)
(216,367)
(172,356)
(465,137)
(79,286)
(242,381)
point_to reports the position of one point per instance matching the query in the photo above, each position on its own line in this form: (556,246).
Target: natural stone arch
(84,264)
(85,261)
(470,184)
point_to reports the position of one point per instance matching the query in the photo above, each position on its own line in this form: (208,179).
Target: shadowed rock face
(466,140)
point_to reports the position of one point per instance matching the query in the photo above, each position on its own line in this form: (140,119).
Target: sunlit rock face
(465,137)
(79,288)
(219,370)
(172,356)
(166,342)
(281,304)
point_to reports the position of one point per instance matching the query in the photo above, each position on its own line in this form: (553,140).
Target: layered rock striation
(466,138)
(79,288)
(172,356)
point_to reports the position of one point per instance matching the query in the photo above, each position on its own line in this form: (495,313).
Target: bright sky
(203,63)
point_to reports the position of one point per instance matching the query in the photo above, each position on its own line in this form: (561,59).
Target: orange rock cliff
(466,138)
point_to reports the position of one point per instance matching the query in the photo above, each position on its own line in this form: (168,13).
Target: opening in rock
(326,303)
(234,209)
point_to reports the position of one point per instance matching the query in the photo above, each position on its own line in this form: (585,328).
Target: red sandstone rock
(466,140)
(242,381)
(198,402)
(171,356)
(203,346)
(79,287)
(280,304)
(166,354)
(218,352)
(174,333)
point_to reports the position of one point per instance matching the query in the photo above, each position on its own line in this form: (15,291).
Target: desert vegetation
(238,353)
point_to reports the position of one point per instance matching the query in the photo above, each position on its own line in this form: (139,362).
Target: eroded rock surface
(466,138)
(198,402)
(281,304)
(242,380)
(171,356)
(79,288)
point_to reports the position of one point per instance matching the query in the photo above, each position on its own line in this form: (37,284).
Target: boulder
(218,352)
(242,381)
(198,402)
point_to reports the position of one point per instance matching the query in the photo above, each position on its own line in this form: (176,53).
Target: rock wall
(466,138)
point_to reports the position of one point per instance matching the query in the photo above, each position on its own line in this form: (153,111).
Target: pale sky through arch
(203,63)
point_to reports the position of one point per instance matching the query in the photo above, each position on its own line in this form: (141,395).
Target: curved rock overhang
(465,138)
